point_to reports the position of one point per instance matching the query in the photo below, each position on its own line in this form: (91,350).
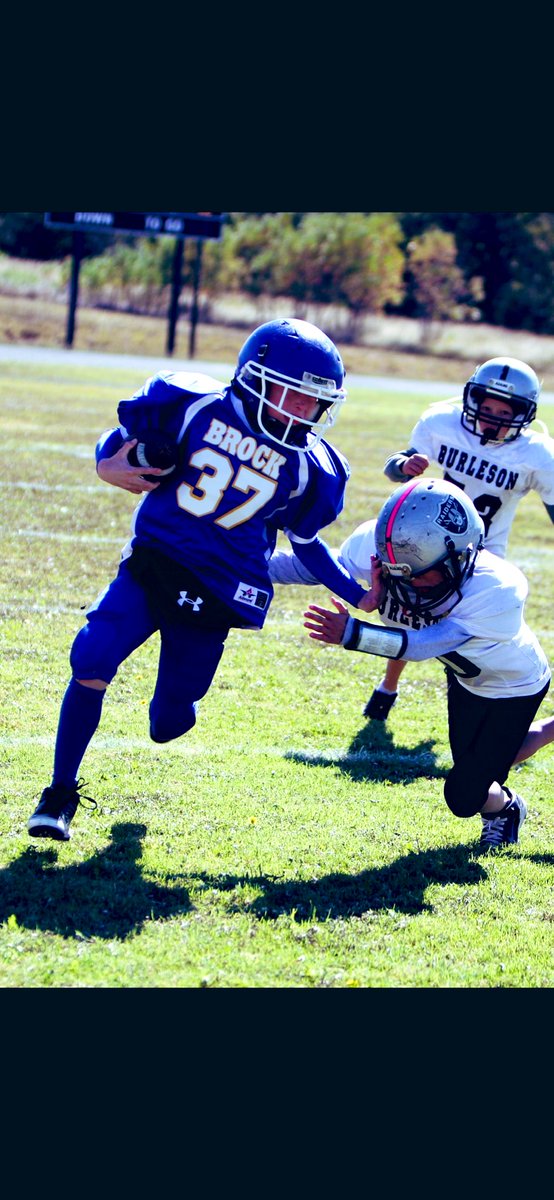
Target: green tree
(133,273)
(508,256)
(343,258)
(438,283)
(520,291)
(253,247)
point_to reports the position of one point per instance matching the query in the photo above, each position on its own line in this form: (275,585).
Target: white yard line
(311,757)
(48,535)
(23,485)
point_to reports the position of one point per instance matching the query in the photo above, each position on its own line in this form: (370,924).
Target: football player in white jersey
(441,595)
(483,443)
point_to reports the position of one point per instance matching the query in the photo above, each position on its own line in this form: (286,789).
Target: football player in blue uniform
(221,470)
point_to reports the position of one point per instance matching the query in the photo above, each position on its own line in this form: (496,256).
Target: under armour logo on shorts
(185,599)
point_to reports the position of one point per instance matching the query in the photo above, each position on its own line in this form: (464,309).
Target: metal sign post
(199,225)
(195,290)
(173,314)
(74,287)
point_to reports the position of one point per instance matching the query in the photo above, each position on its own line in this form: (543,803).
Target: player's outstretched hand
(373,598)
(118,471)
(416,464)
(327,626)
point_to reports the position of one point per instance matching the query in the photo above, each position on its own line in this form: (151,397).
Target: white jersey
(495,476)
(484,639)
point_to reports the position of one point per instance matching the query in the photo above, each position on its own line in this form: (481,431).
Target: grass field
(285,842)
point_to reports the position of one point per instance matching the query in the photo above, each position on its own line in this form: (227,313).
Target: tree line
(492,267)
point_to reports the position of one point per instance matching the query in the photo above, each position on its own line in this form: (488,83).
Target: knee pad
(466,787)
(90,658)
(168,724)
(455,799)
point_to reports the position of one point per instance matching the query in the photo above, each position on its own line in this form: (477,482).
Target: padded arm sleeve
(318,559)
(415,645)
(394,463)
(374,639)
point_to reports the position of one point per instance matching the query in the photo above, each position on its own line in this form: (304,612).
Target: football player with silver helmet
(500,400)
(483,443)
(441,595)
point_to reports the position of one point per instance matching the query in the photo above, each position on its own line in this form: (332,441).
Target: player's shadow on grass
(105,897)
(400,886)
(372,754)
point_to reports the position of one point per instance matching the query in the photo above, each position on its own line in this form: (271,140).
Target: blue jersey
(220,511)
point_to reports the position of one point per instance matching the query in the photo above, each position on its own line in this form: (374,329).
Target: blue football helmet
(428,524)
(507,379)
(301,358)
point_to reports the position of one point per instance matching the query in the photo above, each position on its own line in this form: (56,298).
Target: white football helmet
(507,379)
(428,524)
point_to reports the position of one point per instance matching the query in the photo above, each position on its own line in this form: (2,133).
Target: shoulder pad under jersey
(160,402)
(331,460)
(194,383)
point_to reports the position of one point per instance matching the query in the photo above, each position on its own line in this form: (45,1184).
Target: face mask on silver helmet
(507,379)
(300,358)
(428,524)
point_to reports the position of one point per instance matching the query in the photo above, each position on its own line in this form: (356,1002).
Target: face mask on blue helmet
(298,357)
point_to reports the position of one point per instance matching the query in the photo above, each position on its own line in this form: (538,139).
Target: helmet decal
(452,516)
(318,381)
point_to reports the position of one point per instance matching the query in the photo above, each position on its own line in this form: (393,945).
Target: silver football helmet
(428,524)
(507,379)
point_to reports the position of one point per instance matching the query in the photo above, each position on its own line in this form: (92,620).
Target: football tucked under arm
(117,463)
(155,449)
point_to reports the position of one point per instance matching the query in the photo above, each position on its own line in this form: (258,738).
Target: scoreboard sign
(181,225)
(199,225)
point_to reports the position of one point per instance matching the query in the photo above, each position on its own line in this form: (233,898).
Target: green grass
(285,842)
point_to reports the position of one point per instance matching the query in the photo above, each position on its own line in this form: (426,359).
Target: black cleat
(502,828)
(379,705)
(55,811)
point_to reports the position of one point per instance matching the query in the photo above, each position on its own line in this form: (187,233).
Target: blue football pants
(120,621)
